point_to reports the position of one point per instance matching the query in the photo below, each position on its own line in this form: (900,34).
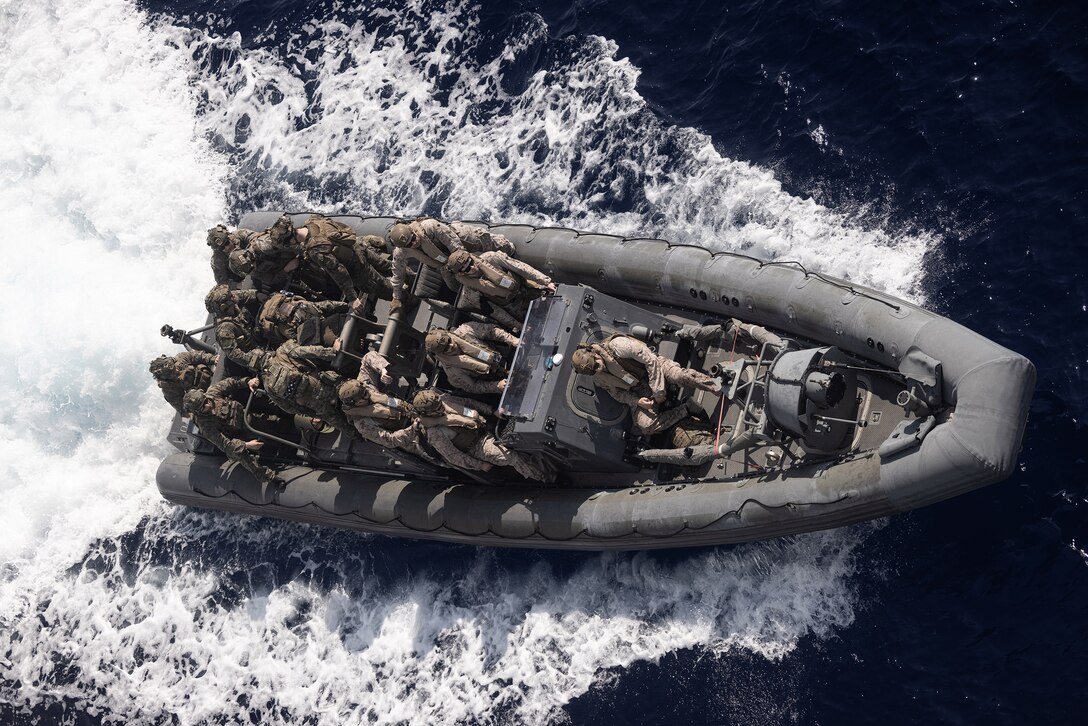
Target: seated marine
(507,284)
(220,415)
(298,379)
(272,256)
(285,316)
(378,417)
(223,242)
(635,376)
(430,242)
(456,429)
(469,364)
(375,251)
(235,321)
(334,249)
(176,375)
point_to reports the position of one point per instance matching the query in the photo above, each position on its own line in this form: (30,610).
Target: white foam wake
(107,173)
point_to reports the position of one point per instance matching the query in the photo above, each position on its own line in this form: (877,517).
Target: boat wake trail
(128,135)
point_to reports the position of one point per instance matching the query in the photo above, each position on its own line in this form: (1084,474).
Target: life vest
(473,358)
(286,380)
(454,416)
(492,282)
(621,373)
(281,315)
(195,376)
(434,249)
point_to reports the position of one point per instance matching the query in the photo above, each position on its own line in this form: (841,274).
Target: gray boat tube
(987,387)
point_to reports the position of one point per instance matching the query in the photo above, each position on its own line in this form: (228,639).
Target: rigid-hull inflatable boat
(840,404)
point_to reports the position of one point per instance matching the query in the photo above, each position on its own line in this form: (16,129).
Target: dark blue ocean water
(963,120)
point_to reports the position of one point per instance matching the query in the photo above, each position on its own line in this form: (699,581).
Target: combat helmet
(241,262)
(161,367)
(217,299)
(583,361)
(459,260)
(427,401)
(437,341)
(192,401)
(374,241)
(218,236)
(350,392)
(400,234)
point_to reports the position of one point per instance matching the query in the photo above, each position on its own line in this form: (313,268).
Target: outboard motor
(812,398)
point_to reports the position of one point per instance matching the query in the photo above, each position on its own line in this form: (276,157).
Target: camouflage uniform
(481,239)
(470,365)
(727,333)
(330,247)
(457,434)
(220,416)
(286,317)
(374,250)
(648,422)
(267,254)
(507,284)
(293,379)
(431,244)
(379,418)
(182,373)
(630,371)
(692,445)
(235,325)
(372,369)
(223,242)
(635,357)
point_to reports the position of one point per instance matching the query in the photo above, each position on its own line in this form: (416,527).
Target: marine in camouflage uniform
(470,365)
(285,316)
(431,242)
(508,285)
(223,242)
(692,445)
(333,248)
(271,258)
(380,418)
(635,376)
(220,416)
(176,375)
(456,429)
(235,324)
(297,378)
